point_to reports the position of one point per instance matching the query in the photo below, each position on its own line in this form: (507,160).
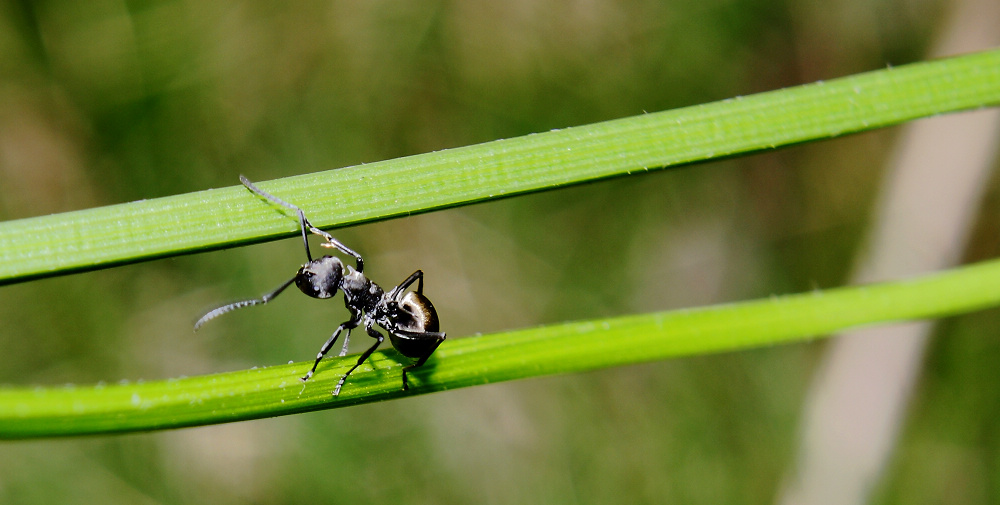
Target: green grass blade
(118,234)
(563,348)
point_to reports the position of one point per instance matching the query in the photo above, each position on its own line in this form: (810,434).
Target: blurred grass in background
(104,102)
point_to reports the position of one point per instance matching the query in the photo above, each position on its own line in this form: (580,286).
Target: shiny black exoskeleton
(408,316)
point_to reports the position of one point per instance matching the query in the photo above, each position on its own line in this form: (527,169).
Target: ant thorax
(359,291)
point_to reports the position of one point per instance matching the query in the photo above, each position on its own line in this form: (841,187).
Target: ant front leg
(356,318)
(346,325)
(372,332)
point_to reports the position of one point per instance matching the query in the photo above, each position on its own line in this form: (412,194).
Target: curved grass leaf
(533,352)
(117,234)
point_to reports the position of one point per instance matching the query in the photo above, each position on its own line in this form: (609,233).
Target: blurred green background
(105,101)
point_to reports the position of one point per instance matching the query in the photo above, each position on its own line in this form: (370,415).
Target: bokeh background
(108,101)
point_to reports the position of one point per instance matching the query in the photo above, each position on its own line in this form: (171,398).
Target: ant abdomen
(415,315)
(423,316)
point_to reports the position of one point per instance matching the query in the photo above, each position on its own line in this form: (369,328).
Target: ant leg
(212,314)
(343,350)
(347,325)
(415,276)
(372,332)
(356,317)
(423,359)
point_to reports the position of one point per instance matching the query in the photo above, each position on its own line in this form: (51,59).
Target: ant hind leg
(423,359)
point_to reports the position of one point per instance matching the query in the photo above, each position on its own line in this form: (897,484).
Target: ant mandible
(408,316)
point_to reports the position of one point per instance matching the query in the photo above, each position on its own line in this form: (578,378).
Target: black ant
(408,316)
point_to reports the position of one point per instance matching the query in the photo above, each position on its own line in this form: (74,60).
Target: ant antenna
(304,224)
(245,303)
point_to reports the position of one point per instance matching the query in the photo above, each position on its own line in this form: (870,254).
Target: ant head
(414,312)
(320,278)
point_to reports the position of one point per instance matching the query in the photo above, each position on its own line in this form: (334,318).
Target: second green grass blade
(96,238)
(464,362)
